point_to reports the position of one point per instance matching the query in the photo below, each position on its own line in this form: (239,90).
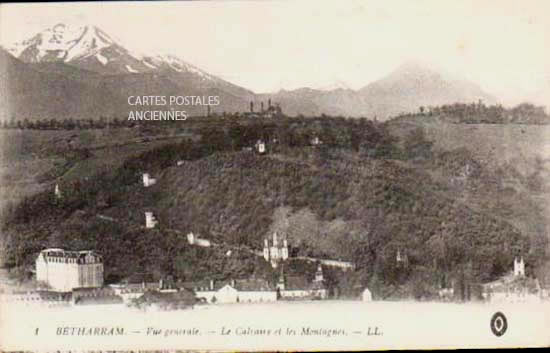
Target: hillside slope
(26,93)
(360,210)
(502,169)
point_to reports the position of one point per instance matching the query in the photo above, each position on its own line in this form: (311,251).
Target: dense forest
(479,113)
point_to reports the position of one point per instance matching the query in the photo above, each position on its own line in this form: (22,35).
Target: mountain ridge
(64,49)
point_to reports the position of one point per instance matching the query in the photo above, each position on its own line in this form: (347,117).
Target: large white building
(64,270)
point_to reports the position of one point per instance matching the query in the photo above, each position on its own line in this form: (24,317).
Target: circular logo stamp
(499,324)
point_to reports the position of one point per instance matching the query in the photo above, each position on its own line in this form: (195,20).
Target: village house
(150,220)
(544,287)
(95,296)
(163,300)
(446,294)
(132,290)
(148,181)
(511,289)
(315,141)
(135,286)
(136,291)
(64,271)
(297,287)
(234,291)
(39,298)
(366,296)
(514,287)
(260,146)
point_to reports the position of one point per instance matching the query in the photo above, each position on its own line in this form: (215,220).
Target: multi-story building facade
(64,270)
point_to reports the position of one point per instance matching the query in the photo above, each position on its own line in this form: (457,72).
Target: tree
(416,145)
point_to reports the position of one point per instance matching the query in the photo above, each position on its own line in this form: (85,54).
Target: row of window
(65,260)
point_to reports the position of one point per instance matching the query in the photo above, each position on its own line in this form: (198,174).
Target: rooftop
(55,252)
(242,285)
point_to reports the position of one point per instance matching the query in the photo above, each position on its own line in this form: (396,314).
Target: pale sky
(502,45)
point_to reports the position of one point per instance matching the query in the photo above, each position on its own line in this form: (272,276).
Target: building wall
(304,293)
(294,293)
(228,294)
(59,275)
(366,295)
(65,274)
(257,296)
(90,275)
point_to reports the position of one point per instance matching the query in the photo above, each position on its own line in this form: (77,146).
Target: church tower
(266,249)
(284,250)
(519,267)
(57,191)
(276,251)
(274,248)
(319,274)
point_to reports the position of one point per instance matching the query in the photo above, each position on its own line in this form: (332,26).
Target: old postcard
(274,175)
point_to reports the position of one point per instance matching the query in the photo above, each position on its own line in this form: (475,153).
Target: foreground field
(327,325)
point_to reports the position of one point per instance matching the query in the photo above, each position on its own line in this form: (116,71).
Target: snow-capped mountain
(85,64)
(65,46)
(64,43)
(87,55)
(90,48)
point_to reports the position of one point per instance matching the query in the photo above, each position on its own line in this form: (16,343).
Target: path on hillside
(328,262)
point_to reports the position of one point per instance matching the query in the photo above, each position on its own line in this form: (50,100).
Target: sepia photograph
(274,175)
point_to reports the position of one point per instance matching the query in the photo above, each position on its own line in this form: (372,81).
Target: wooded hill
(357,196)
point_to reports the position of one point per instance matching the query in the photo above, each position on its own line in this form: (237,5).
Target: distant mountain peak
(414,65)
(80,70)
(414,70)
(337,84)
(89,47)
(62,42)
